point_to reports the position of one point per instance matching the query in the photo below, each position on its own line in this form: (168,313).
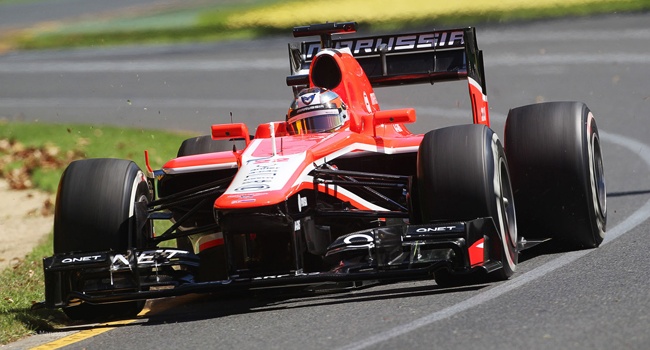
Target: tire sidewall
(504,207)
(95,205)
(597,188)
(205,144)
(95,210)
(462,175)
(553,150)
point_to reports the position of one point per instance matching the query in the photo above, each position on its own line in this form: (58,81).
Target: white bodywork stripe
(198,168)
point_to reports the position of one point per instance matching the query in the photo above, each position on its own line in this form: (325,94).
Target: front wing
(382,253)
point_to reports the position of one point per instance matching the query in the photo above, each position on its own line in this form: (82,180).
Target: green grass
(88,141)
(167,26)
(383,14)
(23,284)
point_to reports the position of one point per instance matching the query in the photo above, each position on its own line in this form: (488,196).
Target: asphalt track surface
(589,299)
(21,14)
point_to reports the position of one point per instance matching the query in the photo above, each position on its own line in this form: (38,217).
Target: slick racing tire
(205,144)
(201,145)
(463,175)
(94,208)
(215,256)
(557,173)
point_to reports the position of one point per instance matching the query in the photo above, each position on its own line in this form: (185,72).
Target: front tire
(557,172)
(94,212)
(463,175)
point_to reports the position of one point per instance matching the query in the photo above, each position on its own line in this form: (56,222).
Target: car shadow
(558,247)
(215,306)
(190,308)
(628,193)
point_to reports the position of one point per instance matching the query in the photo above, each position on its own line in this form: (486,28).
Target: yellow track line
(85,334)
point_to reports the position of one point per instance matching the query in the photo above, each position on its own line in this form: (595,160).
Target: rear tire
(202,145)
(557,172)
(463,175)
(94,211)
(215,256)
(205,144)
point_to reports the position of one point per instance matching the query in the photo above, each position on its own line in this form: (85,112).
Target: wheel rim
(508,204)
(140,195)
(598,176)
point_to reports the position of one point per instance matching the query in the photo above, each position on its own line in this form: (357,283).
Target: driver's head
(316,110)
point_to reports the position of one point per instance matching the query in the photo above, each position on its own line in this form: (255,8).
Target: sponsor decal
(393,43)
(435,229)
(82,259)
(373,98)
(359,240)
(267,160)
(306,109)
(261,173)
(420,230)
(245,196)
(147,257)
(252,188)
(367,102)
(244,201)
(272,277)
(308,99)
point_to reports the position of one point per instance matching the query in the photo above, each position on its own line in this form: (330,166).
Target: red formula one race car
(338,194)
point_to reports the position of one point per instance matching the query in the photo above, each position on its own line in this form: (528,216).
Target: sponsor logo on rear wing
(371,46)
(398,59)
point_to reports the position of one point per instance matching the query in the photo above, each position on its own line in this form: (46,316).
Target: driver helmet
(316,110)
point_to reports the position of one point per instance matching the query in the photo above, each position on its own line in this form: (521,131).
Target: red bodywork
(293,156)
(305,210)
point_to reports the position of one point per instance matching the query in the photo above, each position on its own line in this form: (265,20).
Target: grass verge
(22,285)
(383,14)
(72,141)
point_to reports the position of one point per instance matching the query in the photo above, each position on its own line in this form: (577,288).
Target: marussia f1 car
(340,194)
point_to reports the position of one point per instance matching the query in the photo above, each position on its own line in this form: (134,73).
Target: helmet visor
(316,124)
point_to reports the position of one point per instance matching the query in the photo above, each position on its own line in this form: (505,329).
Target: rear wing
(390,60)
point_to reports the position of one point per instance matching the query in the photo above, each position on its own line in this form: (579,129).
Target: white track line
(638,217)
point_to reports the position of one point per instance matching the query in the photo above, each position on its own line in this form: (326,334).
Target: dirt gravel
(25,219)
